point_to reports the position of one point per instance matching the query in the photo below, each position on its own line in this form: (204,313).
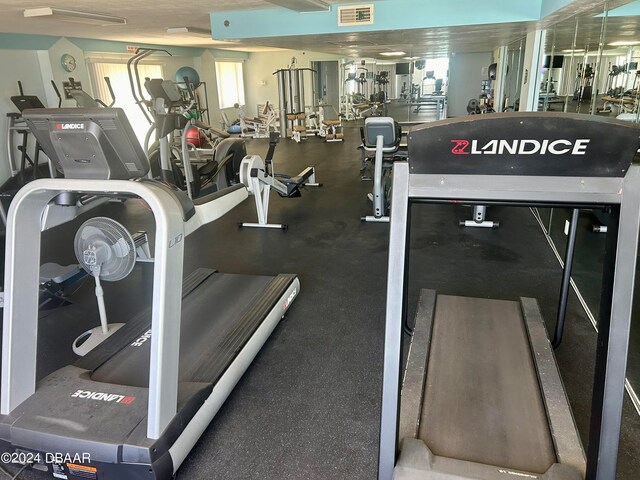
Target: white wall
(80,74)
(466,72)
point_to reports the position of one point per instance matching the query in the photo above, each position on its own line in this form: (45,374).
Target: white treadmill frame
(20,321)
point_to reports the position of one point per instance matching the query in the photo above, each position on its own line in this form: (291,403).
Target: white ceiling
(148,20)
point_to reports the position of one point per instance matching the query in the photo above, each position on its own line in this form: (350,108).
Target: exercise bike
(380,144)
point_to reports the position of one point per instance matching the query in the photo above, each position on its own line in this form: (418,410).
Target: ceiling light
(624,43)
(577,50)
(302,5)
(393,54)
(190,31)
(74,16)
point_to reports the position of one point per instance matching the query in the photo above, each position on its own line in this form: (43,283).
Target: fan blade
(121,248)
(89,231)
(104,247)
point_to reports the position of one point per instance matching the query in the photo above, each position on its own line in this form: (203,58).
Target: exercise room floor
(308,407)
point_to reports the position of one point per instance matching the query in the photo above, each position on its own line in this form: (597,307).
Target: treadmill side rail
(416,459)
(398,235)
(232,375)
(561,422)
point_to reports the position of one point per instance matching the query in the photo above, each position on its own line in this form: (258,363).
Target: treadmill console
(527,144)
(89,143)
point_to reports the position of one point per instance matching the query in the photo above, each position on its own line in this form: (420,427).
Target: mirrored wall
(408,88)
(590,67)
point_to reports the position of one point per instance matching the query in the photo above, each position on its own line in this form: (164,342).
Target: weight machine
(291,98)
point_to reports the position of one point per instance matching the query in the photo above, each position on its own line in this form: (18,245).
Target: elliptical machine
(179,162)
(180,159)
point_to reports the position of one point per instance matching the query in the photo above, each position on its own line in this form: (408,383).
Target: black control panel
(527,143)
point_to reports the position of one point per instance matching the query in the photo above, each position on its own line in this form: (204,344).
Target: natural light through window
(230,84)
(117,73)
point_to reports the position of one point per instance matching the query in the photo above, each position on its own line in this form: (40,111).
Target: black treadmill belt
(136,326)
(482,402)
(210,332)
(217,360)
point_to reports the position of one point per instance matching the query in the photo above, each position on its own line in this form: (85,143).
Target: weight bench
(298,127)
(333,130)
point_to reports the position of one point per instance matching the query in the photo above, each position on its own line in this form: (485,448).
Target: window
(117,73)
(230,84)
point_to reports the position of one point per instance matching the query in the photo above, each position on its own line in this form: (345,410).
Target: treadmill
(480,396)
(137,403)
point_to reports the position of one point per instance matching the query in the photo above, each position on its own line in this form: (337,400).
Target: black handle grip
(107,80)
(55,89)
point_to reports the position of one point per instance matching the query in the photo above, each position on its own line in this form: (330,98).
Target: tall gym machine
(20,173)
(291,97)
(481,396)
(187,152)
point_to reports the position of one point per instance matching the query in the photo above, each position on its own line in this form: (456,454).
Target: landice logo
(70,126)
(143,338)
(521,147)
(105,397)
(289,299)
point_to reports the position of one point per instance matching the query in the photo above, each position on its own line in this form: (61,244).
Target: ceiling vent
(353,15)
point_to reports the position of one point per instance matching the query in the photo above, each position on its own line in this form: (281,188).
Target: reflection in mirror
(600,64)
(419,88)
(551,72)
(584,78)
(576,66)
(358,84)
(569,83)
(599,76)
(621,93)
(515,61)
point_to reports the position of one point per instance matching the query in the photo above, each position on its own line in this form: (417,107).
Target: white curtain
(117,73)
(230,83)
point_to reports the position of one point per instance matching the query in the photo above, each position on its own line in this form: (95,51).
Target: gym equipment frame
(140,400)
(548,159)
(380,136)
(259,180)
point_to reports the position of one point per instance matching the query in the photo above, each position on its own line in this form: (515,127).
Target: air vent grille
(107,124)
(355,15)
(40,124)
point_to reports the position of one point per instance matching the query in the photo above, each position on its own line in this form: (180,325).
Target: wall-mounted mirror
(598,75)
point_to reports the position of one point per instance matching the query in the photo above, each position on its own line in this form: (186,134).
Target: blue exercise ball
(190,73)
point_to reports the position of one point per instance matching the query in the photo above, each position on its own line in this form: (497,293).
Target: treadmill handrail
(214,206)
